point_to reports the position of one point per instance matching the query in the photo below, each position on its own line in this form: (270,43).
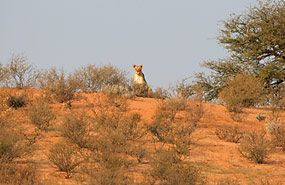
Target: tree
(19,73)
(256,43)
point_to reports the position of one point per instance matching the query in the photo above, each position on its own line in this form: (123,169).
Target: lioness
(140,85)
(139,76)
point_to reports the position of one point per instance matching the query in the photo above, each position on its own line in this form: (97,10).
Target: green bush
(255,146)
(40,114)
(65,157)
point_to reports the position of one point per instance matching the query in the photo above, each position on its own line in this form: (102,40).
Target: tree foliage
(255,41)
(18,73)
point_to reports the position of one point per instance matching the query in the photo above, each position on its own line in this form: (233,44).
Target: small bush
(142,90)
(240,92)
(166,128)
(273,126)
(167,169)
(116,90)
(16,101)
(277,131)
(92,78)
(160,93)
(12,145)
(40,114)
(255,146)
(18,175)
(76,128)
(228,181)
(260,117)
(229,134)
(183,89)
(65,157)
(56,85)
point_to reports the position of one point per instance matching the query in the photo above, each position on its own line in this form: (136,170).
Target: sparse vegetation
(229,133)
(92,78)
(18,174)
(241,91)
(118,135)
(77,129)
(255,146)
(260,117)
(55,85)
(277,131)
(18,73)
(111,143)
(166,168)
(16,101)
(40,113)
(65,157)
(142,90)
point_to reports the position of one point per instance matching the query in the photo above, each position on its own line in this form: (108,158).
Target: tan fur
(139,78)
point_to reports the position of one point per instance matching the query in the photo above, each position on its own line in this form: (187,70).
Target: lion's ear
(134,66)
(141,66)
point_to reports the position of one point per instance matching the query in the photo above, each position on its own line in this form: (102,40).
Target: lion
(139,76)
(141,87)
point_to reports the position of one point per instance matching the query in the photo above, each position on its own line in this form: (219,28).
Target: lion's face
(138,69)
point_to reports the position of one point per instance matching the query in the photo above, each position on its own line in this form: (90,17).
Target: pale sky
(171,38)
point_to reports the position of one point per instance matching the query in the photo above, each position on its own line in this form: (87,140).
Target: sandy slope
(216,159)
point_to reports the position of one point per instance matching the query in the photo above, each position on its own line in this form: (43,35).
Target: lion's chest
(139,79)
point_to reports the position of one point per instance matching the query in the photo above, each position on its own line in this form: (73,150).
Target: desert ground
(217,160)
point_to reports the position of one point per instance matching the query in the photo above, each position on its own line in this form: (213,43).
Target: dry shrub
(240,92)
(167,129)
(41,114)
(55,85)
(77,129)
(229,133)
(17,101)
(12,144)
(166,168)
(117,142)
(92,78)
(160,93)
(142,90)
(114,90)
(171,128)
(228,181)
(109,168)
(18,174)
(255,146)
(65,157)
(19,73)
(110,103)
(184,89)
(277,131)
(260,117)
